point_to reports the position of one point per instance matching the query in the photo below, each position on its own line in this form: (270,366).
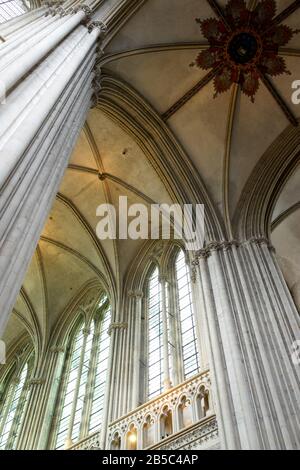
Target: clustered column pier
(47,63)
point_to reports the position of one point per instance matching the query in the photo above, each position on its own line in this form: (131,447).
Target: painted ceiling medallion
(244,46)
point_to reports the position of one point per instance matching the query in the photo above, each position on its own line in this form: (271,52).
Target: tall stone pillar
(46,68)
(166,358)
(42,406)
(198,308)
(113,389)
(137,297)
(252,324)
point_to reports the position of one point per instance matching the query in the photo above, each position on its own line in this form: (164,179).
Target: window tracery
(82,392)
(171,344)
(13,401)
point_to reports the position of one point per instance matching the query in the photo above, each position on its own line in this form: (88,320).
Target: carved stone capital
(36,381)
(202,254)
(228,245)
(57,349)
(61,11)
(16,380)
(225,246)
(193,273)
(97,24)
(87,10)
(260,241)
(96,84)
(135,294)
(214,246)
(163,278)
(117,326)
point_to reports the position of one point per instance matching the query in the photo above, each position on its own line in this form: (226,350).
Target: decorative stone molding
(87,10)
(102,176)
(117,326)
(98,24)
(57,349)
(193,274)
(89,443)
(259,241)
(137,294)
(96,83)
(15,380)
(172,400)
(163,278)
(218,246)
(55,8)
(203,435)
(36,381)
(214,246)
(61,11)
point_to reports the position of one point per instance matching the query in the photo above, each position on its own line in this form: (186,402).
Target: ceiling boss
(244,45)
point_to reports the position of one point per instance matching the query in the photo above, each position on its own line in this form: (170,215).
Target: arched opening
(131,438)
(189,350)
(185,413)
(148,432)
(202,402)
(81,397)
(155,337)
(166,423)
(116,442)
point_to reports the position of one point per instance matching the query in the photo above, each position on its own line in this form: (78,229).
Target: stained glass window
(187,318)
(83,385)
(12,410)
(11,8)
(155,337)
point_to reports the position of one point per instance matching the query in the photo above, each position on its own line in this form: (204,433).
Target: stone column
(198,310)
(129,394)
(252,324)
(175,331)
(166,362)
(52,373)
(36,396)
(136,347)
(112,389)
(48,77)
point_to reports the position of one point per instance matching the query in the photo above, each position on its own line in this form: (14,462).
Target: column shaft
(252,323)
(166,362)
(39,125)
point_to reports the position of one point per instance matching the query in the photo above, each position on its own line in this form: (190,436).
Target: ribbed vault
(238,158)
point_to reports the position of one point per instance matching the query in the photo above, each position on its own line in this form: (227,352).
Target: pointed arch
(253,216)
(124,105)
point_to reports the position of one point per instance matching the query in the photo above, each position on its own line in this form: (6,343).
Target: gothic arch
(136,116)
(252,218)
(67,321)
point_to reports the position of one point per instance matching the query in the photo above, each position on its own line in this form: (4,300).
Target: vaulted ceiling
(224,139)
